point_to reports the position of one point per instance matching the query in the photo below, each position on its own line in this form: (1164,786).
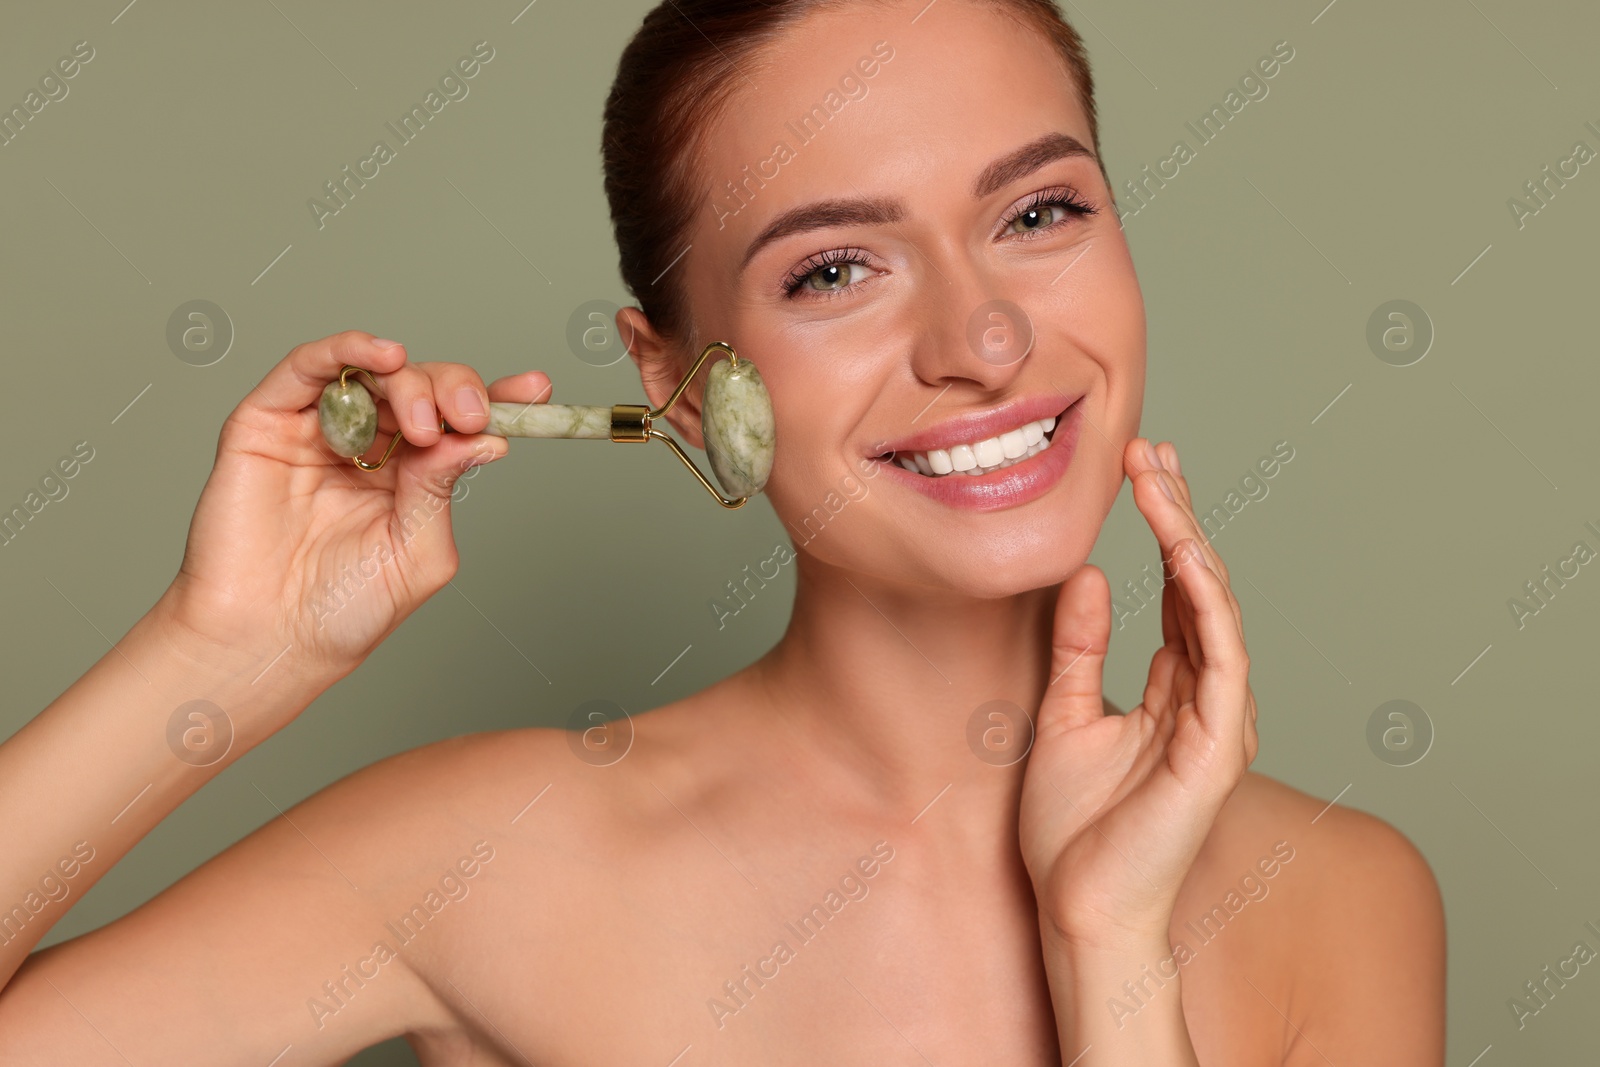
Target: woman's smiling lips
(1008,486)
(976,426)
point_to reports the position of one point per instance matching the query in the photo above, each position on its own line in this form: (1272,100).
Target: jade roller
(736,422)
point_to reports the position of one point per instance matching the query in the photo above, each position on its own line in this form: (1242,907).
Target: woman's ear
(661,367)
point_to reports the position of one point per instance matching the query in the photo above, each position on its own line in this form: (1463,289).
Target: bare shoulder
(543,864)
(531,789)
(567,796)
(1351,859)
(1354,942)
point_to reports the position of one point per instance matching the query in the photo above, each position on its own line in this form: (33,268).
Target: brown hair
(674,80)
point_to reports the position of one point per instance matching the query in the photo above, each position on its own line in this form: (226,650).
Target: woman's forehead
(853,111)
(874,77)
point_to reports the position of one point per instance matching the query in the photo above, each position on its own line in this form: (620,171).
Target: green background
(1378,567)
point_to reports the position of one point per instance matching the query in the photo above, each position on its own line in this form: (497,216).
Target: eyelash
(1064,197)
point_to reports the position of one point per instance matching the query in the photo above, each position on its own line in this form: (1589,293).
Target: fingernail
(1165,488)
(1177,468)
(1151,454)
(422,414)
(384,342)
(467,400)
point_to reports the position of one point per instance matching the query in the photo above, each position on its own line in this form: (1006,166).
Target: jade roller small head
(736,422)
(348,417)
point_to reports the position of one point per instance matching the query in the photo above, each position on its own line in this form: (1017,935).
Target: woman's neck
(883,681)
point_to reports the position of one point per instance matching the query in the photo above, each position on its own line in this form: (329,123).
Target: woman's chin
(989,574)
(994,581)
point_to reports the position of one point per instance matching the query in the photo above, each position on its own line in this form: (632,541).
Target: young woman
(914,831)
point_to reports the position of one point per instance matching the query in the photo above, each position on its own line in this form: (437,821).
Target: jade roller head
(736,422)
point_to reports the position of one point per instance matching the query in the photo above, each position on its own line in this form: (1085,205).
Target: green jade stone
(738,426)
(348,417)
(549,420)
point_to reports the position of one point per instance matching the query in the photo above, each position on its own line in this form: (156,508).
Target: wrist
(268,677)
(1101,937)
(1120,993)
(1077,913)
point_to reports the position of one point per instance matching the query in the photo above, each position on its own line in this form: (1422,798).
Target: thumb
(424,487)
(1078,644)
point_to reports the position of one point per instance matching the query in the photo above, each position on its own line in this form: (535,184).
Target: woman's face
(873,328)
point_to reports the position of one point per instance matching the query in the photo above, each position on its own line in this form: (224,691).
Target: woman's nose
(969,330)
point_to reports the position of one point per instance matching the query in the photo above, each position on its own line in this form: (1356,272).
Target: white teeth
(981,457)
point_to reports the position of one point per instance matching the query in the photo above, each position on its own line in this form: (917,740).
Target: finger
(297,380)
(529,387)
(1165,505)
(1168,452)
(460,395)
(1222,688)
(1079,637)
(409,392)
(1160,686)
(1182,614)
(1158,512)
(424,484)
(1177,626)
(1156,499)
(1171,629)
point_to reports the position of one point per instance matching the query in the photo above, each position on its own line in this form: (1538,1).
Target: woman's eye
(1046,210)
(1037,218)
(831,277)
(839,270)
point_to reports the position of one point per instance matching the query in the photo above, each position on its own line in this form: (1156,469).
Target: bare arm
(296,939)
(223,966)
(251,631)
(95,771)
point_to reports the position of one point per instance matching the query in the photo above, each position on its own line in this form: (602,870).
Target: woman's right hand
(295,550)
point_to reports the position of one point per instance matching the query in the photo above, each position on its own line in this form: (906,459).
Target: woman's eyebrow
(1025,160)
(877,210)
(820,214)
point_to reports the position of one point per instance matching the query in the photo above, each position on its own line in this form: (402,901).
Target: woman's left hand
(1115,808)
